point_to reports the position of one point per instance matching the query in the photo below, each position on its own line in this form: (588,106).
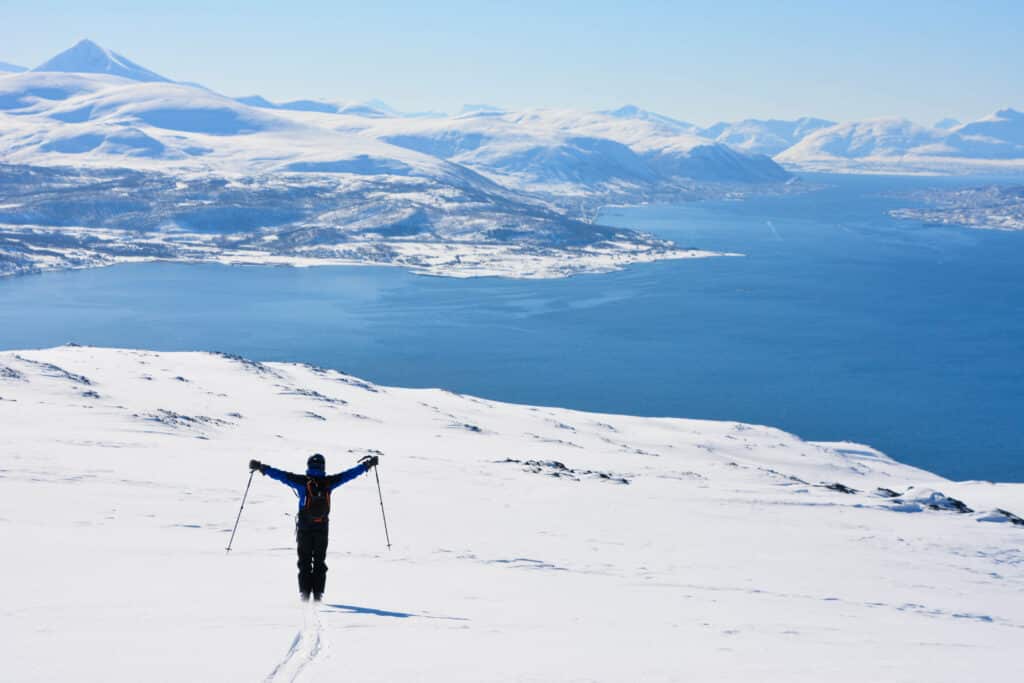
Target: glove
(369,461)
(255,465)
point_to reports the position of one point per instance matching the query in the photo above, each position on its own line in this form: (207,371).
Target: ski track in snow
(307,645)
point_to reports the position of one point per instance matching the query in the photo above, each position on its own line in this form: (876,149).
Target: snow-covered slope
(631,111)
(305,179)
(1004,126)
(56,119)
(68,110)
(993,144)
(6,67)
(86,56)
(123,163)
(757,136)
(572,153)
(529,543)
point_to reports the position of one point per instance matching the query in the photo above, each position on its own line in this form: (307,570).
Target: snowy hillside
(994,144)
(769,137)
(86,56)
(103,160)
(529,543)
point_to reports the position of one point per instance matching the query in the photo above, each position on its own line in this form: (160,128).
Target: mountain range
(621,152)
(90,139)
(124,164)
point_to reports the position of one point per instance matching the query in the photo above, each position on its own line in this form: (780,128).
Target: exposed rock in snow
(716,562)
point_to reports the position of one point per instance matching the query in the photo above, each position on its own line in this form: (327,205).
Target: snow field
(722,559)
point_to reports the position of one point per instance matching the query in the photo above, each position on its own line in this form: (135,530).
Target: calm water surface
(838,323)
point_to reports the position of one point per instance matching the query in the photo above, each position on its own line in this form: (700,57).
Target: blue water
(838,323)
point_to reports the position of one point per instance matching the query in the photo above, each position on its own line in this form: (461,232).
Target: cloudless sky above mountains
(701,62)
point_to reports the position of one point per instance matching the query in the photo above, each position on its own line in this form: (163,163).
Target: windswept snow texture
(734,553)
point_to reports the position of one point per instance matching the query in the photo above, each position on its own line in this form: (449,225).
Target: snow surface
(770,136)
(734,552)
(86,56)
(994,144)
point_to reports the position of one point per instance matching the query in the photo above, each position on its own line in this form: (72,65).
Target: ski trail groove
(307,644)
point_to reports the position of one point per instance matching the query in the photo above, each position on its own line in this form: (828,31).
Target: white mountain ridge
(993,144)
(386,191)
(85,56)
(529,543)
(179,171)
(759,136)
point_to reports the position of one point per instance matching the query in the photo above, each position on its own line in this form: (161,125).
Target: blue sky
(701,62)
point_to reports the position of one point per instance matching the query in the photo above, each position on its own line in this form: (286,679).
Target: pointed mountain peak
(85,56)
(631,111)
(628,110)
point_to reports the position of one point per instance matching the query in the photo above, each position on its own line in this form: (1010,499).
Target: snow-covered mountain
(764,136)
(572,153)
(1004,126)
(127,150)
(528,543)
(91,105)
(992,144)
(631,111)
(375,109)
(86,56)
(6,67)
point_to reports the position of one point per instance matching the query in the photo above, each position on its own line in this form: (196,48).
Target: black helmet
(316,462)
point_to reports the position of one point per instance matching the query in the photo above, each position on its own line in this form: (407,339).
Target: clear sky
(698,61)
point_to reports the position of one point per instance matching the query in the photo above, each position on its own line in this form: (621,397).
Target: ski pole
(383,516)
(244,496)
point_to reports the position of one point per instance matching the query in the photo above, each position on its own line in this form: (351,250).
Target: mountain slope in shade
(6,67)
(85,56)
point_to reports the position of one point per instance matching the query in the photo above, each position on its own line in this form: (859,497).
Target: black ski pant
(312,545)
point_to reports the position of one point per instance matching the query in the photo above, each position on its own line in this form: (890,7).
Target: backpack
(318,500)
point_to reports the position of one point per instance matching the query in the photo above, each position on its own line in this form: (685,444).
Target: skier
(314,491)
